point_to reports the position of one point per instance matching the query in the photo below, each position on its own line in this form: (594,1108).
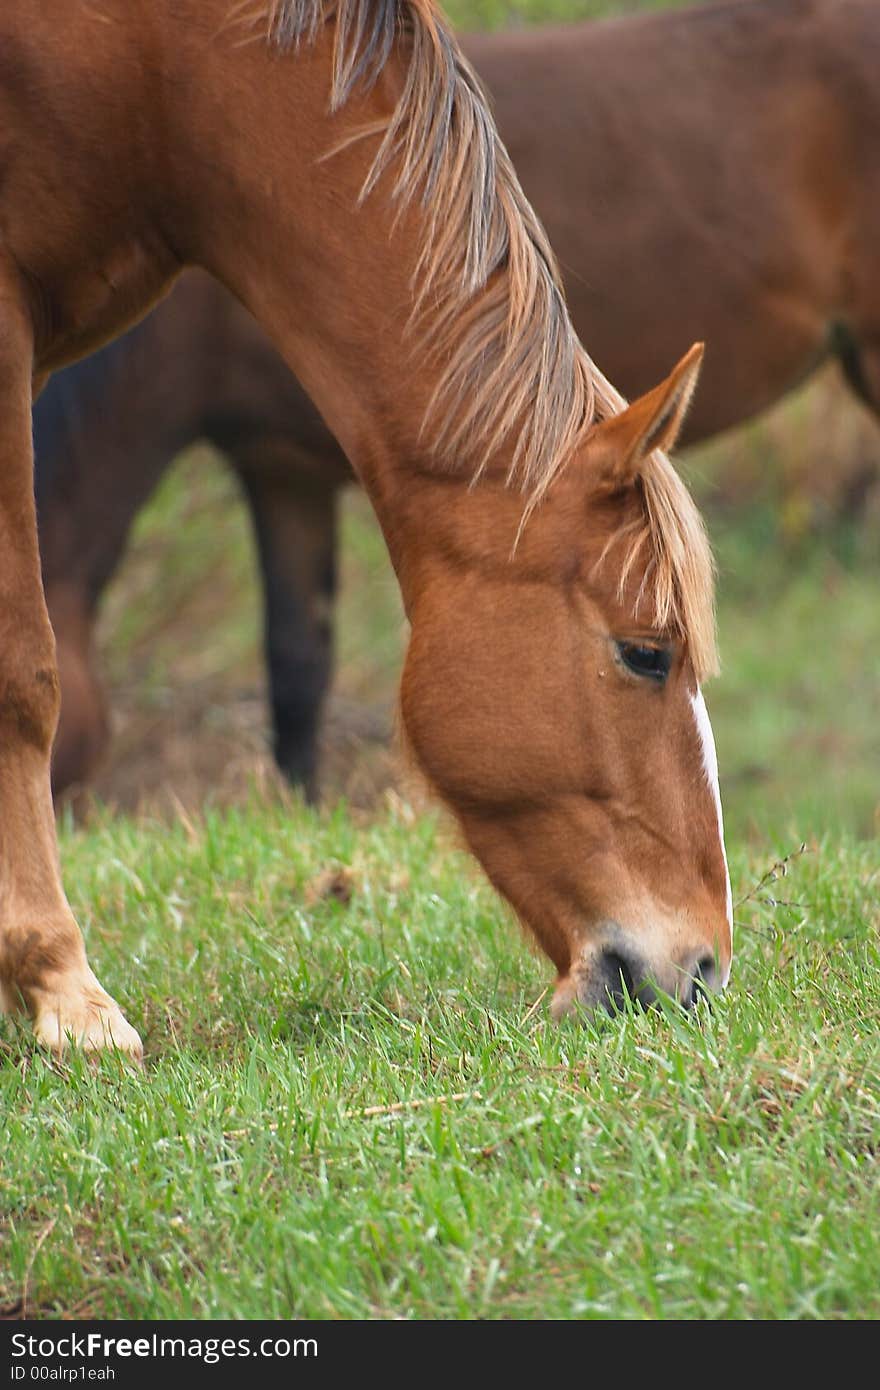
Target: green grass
(795,709)
(496,14)
(656,1166)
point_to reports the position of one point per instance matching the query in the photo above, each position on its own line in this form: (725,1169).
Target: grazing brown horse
(337,167)
(739,204)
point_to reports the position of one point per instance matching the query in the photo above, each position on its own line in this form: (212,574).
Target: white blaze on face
(710,765)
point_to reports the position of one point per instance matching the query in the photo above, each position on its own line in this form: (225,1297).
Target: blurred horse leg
(860,359)
(859,355)
(43,967)
(103,439)
(84,724)
(295,526)
(857,334)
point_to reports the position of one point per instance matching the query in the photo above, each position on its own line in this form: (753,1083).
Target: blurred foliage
(499,14)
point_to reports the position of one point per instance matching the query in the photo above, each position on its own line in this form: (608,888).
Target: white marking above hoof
(81,1013)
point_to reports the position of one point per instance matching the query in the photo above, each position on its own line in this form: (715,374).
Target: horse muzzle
(618,971)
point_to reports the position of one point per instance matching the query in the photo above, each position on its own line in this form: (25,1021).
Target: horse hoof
(82,1014)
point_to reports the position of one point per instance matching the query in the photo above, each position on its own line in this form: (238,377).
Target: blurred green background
(796,710)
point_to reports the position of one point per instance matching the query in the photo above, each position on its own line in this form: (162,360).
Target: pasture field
(354,1104)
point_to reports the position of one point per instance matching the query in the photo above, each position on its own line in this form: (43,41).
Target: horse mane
(514,368)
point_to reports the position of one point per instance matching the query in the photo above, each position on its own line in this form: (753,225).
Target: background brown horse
(702,174)
(106,430)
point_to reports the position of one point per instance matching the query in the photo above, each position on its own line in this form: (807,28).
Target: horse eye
(652,662)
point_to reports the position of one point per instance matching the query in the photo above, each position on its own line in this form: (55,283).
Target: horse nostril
(623,980)
(702,981)
(616,980)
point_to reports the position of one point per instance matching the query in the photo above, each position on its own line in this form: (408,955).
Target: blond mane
(515,372)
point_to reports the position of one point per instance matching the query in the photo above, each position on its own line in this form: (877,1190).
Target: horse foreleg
(295,528)
(43,966)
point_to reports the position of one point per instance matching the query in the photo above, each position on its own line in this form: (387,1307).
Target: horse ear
(651,422)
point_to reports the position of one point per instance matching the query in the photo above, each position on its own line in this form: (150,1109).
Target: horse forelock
(515,374)
(667,538)
(684,569)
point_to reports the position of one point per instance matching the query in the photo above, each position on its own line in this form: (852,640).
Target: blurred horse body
(105,432)
(738,204)
(334,164)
